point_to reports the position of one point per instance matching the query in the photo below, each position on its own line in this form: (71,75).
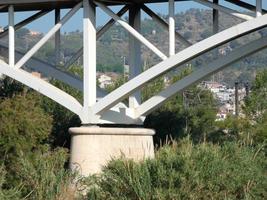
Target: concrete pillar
(93,147)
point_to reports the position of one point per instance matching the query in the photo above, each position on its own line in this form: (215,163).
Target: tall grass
(42,176)
(6,194)
(182,170)
(186,171)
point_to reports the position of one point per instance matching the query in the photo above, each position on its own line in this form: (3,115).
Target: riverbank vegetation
(200,159)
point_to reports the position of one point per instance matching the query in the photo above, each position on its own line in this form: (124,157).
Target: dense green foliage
(186,171)
(29,168)
(192,112)
(24,127)
(220,160)
(217,160)
(251,126)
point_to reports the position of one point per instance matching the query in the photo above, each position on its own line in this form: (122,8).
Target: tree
(10,87)
(192,114)
(256,106)
(24,127)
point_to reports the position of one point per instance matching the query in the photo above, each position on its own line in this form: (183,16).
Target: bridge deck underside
(28,5)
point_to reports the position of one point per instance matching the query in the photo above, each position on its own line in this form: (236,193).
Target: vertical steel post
(57,37)
(11,33)
(89,55)
(135,65)
(215,25)
(258,8)
(215,18)
(171,27)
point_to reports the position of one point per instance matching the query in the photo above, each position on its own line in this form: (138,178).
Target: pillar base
(93,147)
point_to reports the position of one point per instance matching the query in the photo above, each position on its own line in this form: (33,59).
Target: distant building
(104,81)
(34,33)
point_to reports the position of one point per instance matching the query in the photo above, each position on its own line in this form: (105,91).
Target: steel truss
(99,107)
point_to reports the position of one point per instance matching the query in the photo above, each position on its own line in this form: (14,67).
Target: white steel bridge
(99,107)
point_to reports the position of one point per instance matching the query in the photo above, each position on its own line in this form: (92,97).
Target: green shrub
(186,171)
(6,194)
(43,175)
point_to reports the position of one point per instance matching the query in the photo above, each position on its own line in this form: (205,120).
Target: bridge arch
(177,60)
(108,108)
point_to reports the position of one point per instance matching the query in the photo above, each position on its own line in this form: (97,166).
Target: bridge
(100,107)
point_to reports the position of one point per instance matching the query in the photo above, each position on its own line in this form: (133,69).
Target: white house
(104,81)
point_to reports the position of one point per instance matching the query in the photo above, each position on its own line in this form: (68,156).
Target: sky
(75,23)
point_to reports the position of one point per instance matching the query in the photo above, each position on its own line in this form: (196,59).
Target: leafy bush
(186,171)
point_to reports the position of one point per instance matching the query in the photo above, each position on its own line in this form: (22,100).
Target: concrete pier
(93,147)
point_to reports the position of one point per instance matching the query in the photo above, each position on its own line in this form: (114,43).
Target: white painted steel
(99,33)
(165,25)
(258,8)
(106,110)
(131,30)
(180,58)
(205,71)
(43,87)
(51,71)
(135,63)
(171,28)
(225,10)
(11,34)
(89,55)
(37,46)
(111,22)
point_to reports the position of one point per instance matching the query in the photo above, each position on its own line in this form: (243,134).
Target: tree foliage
(24,127)
(191,112)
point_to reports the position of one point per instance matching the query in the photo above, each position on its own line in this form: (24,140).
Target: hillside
(194,24)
